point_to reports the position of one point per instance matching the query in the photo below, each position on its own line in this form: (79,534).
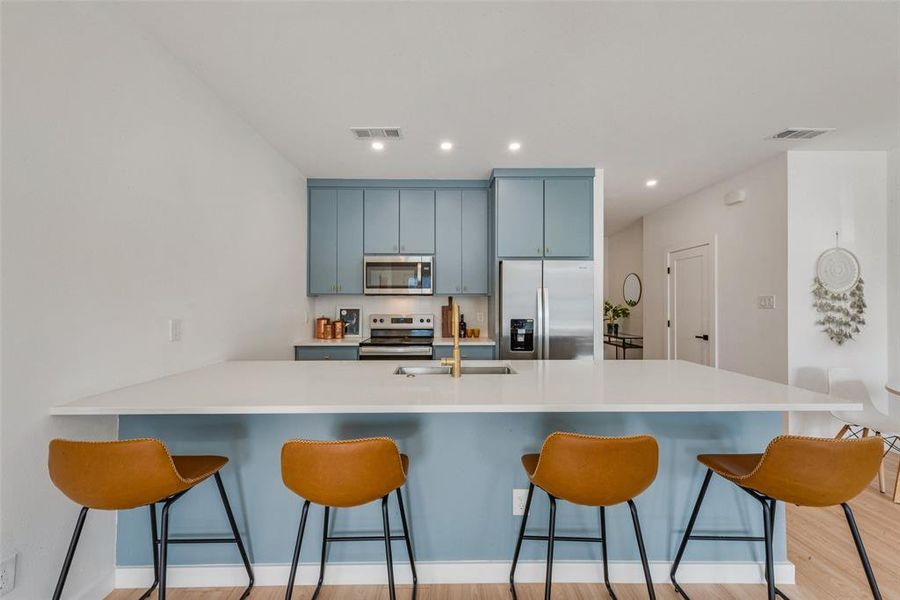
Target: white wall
(829,192)
(751,244)
(624,255)
(131,195)
(893,236)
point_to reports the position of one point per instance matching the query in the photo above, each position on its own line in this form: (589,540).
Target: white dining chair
(843,383)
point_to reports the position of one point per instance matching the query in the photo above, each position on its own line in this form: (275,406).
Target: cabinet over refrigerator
(546,309)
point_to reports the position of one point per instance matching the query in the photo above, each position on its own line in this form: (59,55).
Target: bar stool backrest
(815,471)
(114,475)
(342,473)
(594,470)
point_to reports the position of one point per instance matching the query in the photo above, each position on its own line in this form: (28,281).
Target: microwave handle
(419,273)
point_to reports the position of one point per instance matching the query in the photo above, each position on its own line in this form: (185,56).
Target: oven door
(395,352)
(398,275)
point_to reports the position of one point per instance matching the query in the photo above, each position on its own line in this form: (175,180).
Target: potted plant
(612,313)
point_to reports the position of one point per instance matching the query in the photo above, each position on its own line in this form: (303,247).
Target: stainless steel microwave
(398,275)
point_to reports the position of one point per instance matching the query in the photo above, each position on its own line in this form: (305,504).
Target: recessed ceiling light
(651,183)
(377,145)
(514,146)
(446,145)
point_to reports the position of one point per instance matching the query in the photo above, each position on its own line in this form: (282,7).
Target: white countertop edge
(279,409)
(352,342)
(479,341)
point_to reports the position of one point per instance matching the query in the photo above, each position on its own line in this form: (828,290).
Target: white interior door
(691,335)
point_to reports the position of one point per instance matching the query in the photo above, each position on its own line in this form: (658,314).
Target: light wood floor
(819,544)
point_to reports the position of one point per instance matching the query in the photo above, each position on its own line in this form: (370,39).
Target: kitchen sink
(412,371)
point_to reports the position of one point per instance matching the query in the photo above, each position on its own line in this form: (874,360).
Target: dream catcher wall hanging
(838,294)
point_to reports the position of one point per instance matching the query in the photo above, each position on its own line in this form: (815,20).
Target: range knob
(421,320)
(429,320)
(381,320)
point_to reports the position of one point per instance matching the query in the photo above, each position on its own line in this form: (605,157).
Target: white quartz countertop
(280,387)
(438,341)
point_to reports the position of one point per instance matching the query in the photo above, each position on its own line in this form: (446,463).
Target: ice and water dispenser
(521,335)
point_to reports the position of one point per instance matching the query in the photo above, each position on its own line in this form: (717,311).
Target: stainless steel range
(399,336)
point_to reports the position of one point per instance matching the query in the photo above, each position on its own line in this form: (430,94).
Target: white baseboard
(455,572)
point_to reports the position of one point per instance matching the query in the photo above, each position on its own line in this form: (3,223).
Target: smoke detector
(376,133)
(801,133)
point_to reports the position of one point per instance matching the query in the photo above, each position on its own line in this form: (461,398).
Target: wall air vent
(376,133)
(801,133)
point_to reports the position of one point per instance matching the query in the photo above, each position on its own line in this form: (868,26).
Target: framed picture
(352,318)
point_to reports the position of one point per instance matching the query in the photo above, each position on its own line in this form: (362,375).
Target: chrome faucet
(454,361)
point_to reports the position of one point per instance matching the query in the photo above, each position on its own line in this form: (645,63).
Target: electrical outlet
(479,317)
(766,302)
(520,497)
(8,574)
(174,330)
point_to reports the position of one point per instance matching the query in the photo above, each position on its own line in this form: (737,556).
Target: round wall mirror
(631,289)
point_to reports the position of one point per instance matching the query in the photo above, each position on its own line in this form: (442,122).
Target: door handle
(539,329)
(704,337)
(546,332)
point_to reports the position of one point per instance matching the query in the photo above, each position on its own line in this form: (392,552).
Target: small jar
(338,330)
(328,331)
(321,324)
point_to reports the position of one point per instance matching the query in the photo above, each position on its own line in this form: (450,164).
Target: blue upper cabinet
(322,249)
(544,215)
(568,217)
(382,221)
(475,219)
(448,247)
(349,241)
(417,221)
(520,217)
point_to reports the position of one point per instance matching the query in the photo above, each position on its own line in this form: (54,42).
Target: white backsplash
(469,306)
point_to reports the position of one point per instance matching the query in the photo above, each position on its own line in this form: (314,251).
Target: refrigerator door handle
(539,326)
(545,334)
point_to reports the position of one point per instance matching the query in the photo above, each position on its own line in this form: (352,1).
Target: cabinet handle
(327,357)
(457,288)
(538,250)
(338,288)
(547,250)
(465,288)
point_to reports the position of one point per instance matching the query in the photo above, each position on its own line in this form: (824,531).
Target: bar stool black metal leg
(642,549)
(324,554)
(67,563)
(296,559)
(770,566)
(609,589)
(861,549)
(164,548)
(550,537)
(387,547)
(515,561)
(237,535)
(154,537)
(409,550)
(687,533)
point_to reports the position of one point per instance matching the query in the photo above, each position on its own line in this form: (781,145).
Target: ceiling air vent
(801,133)
(376,133)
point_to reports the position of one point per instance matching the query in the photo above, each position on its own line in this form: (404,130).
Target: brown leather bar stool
(344,474)
(590,471)
(119,475)
(800,470)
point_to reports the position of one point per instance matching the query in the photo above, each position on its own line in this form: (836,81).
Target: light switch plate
(8,574)
(520,497)
(766,302)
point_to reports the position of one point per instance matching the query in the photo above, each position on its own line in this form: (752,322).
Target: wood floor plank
(819,545)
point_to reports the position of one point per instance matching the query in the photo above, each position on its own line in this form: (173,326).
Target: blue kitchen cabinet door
(326,353)
(474,241)
(466,352)
(382,221)
(448,236)
(520,217)
(568,217)
(349,242)
(417,221)
(322,250)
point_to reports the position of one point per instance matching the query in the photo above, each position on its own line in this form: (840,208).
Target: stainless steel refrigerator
(546,309)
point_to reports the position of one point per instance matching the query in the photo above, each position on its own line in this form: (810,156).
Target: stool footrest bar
(563,538)
(362,538)
(201,541)
(727,538)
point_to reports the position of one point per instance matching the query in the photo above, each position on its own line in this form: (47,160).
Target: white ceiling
(684,93)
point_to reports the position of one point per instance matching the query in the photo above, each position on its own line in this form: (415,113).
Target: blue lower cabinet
(467,352)
(326,353)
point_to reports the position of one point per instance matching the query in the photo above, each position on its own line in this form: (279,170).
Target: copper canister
(322,324)
(328,331)
(338,330)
